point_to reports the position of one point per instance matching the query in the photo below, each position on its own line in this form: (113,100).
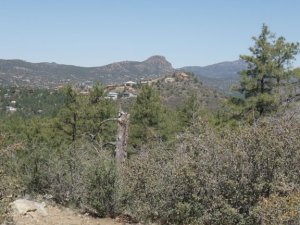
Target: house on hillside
(11,109)
(112,95)
(128,95)
(169,79)
(130,83)
(181,76)
(144,82)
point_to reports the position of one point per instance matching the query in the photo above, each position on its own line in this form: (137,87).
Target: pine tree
(69,115)
(146,115)
(97,110)
(150,119)
(268,71)
(85,115)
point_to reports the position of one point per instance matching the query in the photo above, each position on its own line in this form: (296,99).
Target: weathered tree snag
(121,139)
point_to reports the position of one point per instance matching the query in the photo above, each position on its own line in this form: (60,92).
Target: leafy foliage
(211,178)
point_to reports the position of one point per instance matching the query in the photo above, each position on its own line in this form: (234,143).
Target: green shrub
(276,209)
(78,175)
(10,186)
(214,178)
(101,189)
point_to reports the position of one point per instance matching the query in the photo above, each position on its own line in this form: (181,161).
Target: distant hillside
(220,75)
(18,72)
(176,93)
(22,73)
(218,70)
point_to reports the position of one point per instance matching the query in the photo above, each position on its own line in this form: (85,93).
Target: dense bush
(277,209)
(9,184)
(78,174)
(211,178)
(102,189)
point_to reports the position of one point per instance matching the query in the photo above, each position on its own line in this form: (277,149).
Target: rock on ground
(24,206)
(25,212)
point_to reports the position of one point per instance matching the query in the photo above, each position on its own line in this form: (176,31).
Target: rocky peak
(158,60)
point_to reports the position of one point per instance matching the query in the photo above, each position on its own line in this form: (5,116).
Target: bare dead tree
(121,138)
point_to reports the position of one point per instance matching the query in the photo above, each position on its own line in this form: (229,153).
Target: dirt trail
(60,216)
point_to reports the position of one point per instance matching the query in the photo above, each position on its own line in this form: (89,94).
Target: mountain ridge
(219,75)
(18,72)
(218,70)
(50,74)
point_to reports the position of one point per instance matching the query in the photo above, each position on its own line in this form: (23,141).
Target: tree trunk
(74,127)
(262,85)
(122,137)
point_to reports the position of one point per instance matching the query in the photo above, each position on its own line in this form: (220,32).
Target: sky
(99,32)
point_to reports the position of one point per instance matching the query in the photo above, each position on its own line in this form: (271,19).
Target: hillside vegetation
(49,75)
(185,154)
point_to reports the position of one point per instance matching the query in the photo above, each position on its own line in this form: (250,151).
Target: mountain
(22,73)
(221,75)
(219,70)
(18,72)
(152,67)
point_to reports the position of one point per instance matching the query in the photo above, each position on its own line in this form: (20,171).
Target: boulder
(24,206)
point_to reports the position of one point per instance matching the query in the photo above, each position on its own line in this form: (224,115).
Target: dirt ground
(61,216)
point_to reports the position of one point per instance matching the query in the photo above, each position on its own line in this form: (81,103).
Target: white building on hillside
(130,83)
(112,95)
(11,109)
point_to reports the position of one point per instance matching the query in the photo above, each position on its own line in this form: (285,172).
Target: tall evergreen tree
(146,115)
(150,119)
(86,115)
(268,71)
(69,115)
(97,110)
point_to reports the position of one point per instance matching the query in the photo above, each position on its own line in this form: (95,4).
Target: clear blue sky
(98,32)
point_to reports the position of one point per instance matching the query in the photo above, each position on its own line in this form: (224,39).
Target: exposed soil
(61,216)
